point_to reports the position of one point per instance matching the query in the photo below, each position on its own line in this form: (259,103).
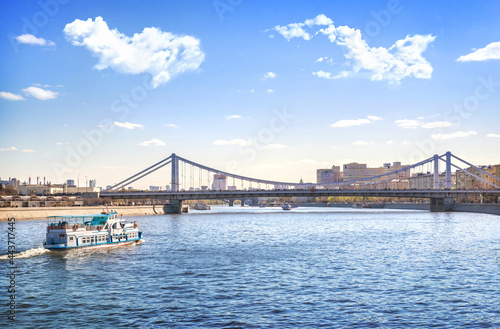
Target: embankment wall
(40,213)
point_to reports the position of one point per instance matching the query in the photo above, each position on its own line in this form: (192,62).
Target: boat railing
(71,226)
(63,226)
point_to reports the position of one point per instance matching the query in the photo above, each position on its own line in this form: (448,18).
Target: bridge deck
(206,195)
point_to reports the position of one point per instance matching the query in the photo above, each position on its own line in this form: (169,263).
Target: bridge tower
(175,173)
(448,170)
(436,172)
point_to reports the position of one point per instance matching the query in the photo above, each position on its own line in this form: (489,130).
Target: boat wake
(26,254)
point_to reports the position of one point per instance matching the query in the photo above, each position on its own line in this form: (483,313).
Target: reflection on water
(264,267)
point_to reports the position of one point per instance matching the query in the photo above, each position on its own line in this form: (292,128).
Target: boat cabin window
(106,226)
(70,238)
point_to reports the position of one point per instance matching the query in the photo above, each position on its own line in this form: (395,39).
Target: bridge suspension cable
(471,174)
(127,181)
(191,165)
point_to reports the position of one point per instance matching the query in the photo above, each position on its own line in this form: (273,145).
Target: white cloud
(127,125)
(172,125)
(358,122)
(437,124)
(363,143)
(235,116)
(493,135)
(321,19)
(153,142)
(491,51)
(323,74)
(458,134)
(8,149)
(349,123)
(412,124)
(162,54)
(328,75)
(11,97)
(407,143)
(30,39)
(408,124)
(270,91)
(28,151)
(114,168)
(319,60)
(252,90)
(275,147)
(268,75)
(39,93)
(390,142)
(403,59)
(236,141)
(295,30)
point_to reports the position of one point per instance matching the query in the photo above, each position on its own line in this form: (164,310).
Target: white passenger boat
(286,206)
(90,231)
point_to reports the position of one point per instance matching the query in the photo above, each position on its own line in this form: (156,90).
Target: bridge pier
(175,207)
(442,204)
(231,202)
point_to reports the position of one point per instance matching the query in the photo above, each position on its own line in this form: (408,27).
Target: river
(267,268)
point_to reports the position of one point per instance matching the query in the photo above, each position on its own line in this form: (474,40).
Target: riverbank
(41,213)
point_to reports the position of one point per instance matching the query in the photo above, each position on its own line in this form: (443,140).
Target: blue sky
(269,89)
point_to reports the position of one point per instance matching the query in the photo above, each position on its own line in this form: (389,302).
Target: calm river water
(267,268)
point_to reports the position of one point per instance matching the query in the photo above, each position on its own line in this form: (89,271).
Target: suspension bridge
(186,174)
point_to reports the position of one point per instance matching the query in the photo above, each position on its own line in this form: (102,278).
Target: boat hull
(94,246)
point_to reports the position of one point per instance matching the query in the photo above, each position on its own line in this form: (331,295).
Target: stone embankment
(44,212)
(484,208)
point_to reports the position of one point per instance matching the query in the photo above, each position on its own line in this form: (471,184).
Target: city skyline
(265,90)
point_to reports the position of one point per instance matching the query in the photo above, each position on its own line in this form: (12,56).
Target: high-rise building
(71,182)
(219,182)
(328,176)
(356,171)
(421,181)
(92,183)
(467,182)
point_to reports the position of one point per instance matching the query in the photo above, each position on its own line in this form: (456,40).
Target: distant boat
(286,206)
(201,206)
